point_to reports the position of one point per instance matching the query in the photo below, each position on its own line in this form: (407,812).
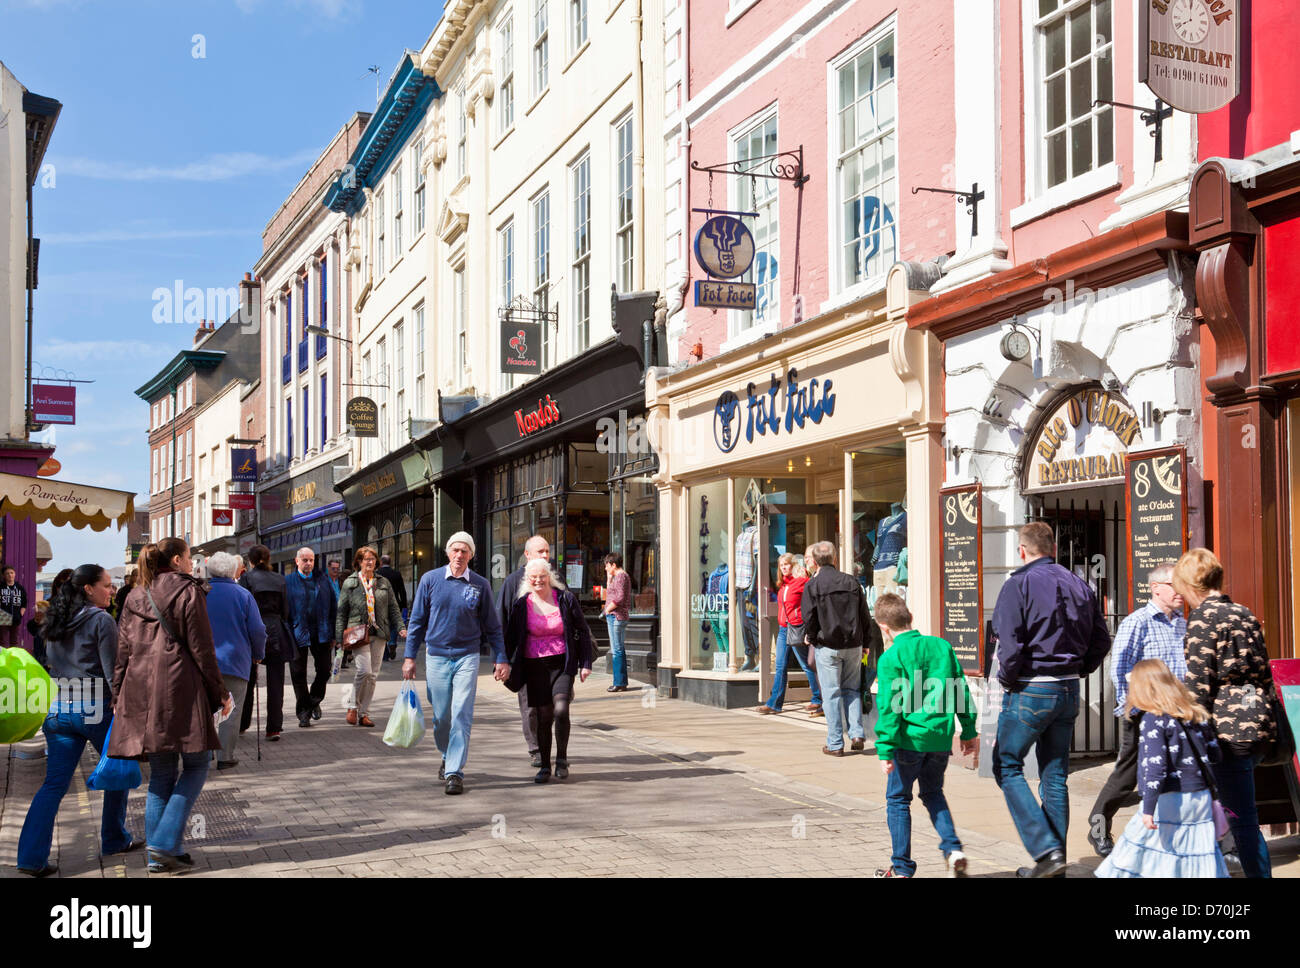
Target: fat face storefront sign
(786,405)
(1082,442)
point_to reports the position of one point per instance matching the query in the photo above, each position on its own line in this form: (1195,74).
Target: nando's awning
(43,499)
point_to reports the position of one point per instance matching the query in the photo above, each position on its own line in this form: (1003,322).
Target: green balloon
(26,692)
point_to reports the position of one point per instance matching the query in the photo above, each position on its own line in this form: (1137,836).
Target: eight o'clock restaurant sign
(1190,52)
(1082,442)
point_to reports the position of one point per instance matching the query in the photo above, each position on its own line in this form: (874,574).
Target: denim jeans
(840,672)
(1041,714)
(909,767)
(780,675)
(452,685)
(1235,776)
(617,655)
(67,732)
(171,798)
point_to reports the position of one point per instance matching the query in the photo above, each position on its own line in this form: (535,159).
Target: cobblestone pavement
(333,800)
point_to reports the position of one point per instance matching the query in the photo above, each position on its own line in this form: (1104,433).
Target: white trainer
(956,864)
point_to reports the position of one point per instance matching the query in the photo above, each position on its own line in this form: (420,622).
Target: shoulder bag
(1220,818)
(356,636)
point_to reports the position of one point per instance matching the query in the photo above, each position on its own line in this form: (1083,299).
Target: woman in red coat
(789,640)
(166,688)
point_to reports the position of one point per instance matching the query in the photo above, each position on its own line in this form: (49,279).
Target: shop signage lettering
(1190,53)
(724,295)
(299,494)
(243,464)
(52,403)
(1083,442)
(243,500)
(67,497)
(812,401)
(547,413)
(363,417)
(963,578)
(709,606)
(378,483)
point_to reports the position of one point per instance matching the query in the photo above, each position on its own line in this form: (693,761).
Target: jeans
(452,685)
(1235,776)
(171,798)
(909,767)
(617,634)
(779,676)
(228,732)
(1041,714)
(66,735)
(840,672)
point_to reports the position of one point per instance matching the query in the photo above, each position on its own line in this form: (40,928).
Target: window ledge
(859,290)
(502,137)
(737,12)
(613,9)
(580,51)
(537,100)
(751,335)
(1102,179)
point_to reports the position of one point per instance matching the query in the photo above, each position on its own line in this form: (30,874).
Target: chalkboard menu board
(1155,495)
(963,568)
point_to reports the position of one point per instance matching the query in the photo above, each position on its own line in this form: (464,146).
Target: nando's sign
(1082,442)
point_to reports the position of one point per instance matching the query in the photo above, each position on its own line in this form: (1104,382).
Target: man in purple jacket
(1050,632)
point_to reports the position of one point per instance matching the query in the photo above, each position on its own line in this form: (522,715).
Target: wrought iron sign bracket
(1153,118)
(971,199)
(784,166)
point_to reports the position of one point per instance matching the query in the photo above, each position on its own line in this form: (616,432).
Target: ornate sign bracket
(783,165)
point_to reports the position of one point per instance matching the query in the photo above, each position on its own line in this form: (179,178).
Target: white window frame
(539,208)
(417,323)
(379,234)
(541,20)
(397,214)
(460,317)
(579,23)
(505,95)
(462,131)
(580,260)
(1040,200)
(624,204)
(417,167)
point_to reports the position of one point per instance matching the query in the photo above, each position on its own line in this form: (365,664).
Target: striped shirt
(1147,634)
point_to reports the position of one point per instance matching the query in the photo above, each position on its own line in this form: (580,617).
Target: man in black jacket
(838,624)
(534,547)
(13,602)
(399,588)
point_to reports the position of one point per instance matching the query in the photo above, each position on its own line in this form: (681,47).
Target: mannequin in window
(891,539)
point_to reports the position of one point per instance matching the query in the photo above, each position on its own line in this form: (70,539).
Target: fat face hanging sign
(724,248)
(1190,52)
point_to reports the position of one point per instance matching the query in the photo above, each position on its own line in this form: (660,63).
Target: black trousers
(274,697)
(1121,784)
(310,698)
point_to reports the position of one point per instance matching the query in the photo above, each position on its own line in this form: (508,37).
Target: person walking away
(1229,674)
(119,600)
(548,643)
(836,621)
(790,636)
(394,579)
(914,731)
(618,594)
(82,652)
(268,590)
(166,688)
(312,611)
(1172,834)
(239,637)
(367,599)
(1154,631)
(1050,632)
(13,603)
(507,598)
(452,613)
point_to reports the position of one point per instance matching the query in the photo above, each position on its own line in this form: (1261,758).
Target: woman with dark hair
(167,687)
(81,647)
(368,599)
(267,587)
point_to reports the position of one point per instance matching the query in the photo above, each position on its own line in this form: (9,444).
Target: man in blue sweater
(451,615)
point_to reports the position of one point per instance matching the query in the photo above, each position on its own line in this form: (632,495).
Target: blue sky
(167,166)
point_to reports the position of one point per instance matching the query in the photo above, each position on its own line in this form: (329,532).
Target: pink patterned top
(545,633)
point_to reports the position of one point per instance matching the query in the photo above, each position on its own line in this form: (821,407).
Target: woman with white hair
(548,643)
(239,636)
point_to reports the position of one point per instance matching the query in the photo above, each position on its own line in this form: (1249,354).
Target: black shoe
(536,758)
(226,764)
(1102,847)
(133,846)
(455,785)
(315,711)
(561,769)
(45,871)
(304,719)
(543,775)
(442,771)
(1053,865)
(858,745)
(617,689)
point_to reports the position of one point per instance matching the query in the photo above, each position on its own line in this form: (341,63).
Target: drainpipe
(638,158)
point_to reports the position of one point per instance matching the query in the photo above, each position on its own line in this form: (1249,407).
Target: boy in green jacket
(921,688)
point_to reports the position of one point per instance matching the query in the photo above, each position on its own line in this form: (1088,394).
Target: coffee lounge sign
(1082,442)
(1191,52)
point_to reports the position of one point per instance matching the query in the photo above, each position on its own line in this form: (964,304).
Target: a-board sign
(962,561)
(1155,500)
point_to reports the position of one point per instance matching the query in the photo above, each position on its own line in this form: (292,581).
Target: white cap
(461,537)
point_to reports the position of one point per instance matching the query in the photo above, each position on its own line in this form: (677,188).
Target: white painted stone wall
(13,258)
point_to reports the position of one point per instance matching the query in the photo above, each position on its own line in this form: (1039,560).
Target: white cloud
(76,350)
(222,167)
(329,9)
(121,235)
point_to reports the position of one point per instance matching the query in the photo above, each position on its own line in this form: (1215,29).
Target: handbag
(355,636)
(1281,748)
(794,635)
(112,773)
(6,618)
(1220,816)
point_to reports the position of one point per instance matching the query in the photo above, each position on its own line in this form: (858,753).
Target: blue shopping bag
(114,774)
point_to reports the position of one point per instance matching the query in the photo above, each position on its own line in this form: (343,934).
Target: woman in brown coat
(166,688)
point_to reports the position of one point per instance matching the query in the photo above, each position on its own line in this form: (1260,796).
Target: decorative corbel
(481,83)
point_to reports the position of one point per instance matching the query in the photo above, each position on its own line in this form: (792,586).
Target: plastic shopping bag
(26,693)
(114,774)
(406,724)
(336,664)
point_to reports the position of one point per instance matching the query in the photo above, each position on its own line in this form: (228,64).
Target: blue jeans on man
(840,675)
(909,768)
(171,798)
(781,674)
(68,728)
(452,685)
(1235,776)
(1040,715)
(617,653)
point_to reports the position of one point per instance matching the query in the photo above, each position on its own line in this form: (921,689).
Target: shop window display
(880,551)
(711,581)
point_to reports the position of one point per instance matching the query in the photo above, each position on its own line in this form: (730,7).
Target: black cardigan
(579,648)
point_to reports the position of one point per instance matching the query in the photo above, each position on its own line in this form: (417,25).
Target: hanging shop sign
(49,468)
(521,346)
(1190,52)
(963,571)
(724,248)
(1155,496)
(767,412)
(243,465)
(242,500)
(712,294)
(547,413)
(363,417)
(1082,442)
(222,517)
(54,404)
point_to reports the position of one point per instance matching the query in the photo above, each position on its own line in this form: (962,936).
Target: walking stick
(257,706)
